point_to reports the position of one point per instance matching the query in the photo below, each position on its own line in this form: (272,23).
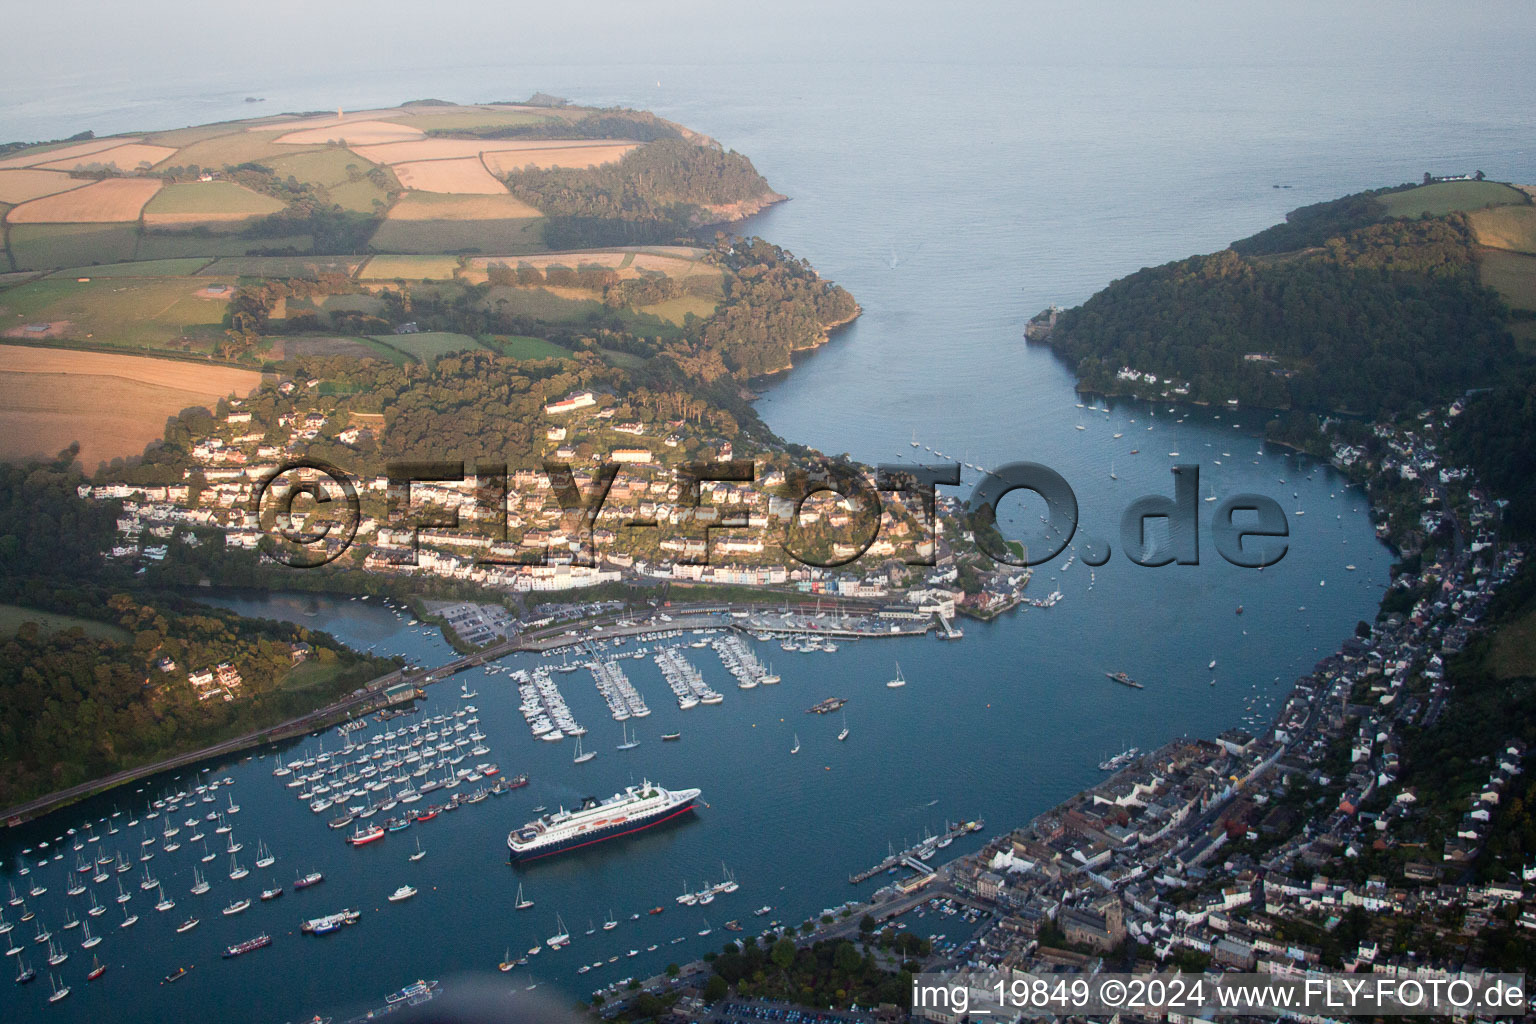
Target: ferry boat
(249,944)
(421,990)
(636,808)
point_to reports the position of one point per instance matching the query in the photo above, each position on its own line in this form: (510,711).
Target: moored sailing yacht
(899,681)
(562,936)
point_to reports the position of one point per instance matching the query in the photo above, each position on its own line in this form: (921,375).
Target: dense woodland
(1379,319)
(654,194)
(826,973)
(1497,435)
(614,123)
(775,304)
(77,704)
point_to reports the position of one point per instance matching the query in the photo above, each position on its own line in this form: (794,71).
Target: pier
(911,857)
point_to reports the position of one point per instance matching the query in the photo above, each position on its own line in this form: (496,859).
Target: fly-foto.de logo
(311,512)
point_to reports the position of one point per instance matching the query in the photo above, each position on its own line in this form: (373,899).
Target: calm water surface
(955,191)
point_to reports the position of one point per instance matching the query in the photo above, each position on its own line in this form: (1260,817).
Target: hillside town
(651,527)
(1240,853)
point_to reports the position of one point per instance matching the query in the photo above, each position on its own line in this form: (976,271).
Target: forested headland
(1347,307)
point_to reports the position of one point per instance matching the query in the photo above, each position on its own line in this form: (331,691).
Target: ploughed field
(113,405)
(427,177)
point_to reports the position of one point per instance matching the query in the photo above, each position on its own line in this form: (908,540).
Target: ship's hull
(577,842)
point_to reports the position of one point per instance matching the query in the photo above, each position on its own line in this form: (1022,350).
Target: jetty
(913,857)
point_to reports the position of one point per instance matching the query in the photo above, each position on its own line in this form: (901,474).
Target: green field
(360,303)
(427,222)
(426,118)
(142,268)
(12,616)
(282,266)
(512,237)
(674,310)
(543,304)
(211,198)
(46,246)
(427,346)
(236,147)
(145,312)
(334,169)
(1506,227)
(360,196)
(623,360)
(1447,196)
(310,674)
(173,244)
(179,137)
(410,268)
(1511,274)
(1513,653)
(521,346)
(388,352)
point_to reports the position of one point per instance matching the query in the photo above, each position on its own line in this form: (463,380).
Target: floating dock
(912,857)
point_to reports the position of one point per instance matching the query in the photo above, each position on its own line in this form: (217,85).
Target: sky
(84,59)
